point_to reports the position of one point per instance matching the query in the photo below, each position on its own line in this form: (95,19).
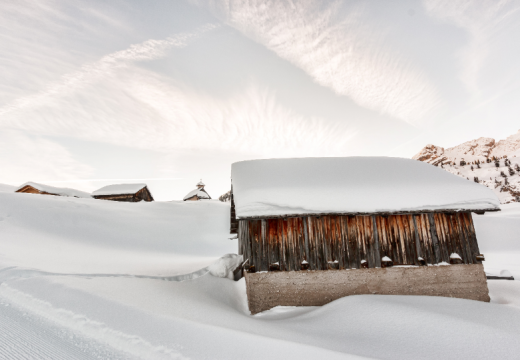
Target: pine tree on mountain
(497,163)
(503,174)
(475,179)
(471,167)
(478,165)
(506,182)
(511,171)
(517,167)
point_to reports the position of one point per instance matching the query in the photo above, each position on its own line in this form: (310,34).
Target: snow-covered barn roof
(201,193)
(55,190)
(351,185)
(118,189)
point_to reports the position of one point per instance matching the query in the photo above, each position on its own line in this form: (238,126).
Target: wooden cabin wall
(233,228)
(143,195)
(30,190)
(124,198)
(344,242)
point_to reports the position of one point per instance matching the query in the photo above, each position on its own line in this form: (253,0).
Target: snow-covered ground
(90,279)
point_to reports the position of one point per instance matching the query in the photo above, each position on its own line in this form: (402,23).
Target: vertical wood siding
(345,242)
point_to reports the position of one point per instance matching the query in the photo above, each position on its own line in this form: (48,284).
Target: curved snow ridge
(81,324)
(260,209)
(17,273)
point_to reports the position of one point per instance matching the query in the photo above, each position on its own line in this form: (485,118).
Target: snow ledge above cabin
(279,187)
(118,189)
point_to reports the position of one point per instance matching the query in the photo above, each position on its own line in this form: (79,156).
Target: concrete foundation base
(315,288)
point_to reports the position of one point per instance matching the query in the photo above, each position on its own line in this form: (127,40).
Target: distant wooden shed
(198,194)
(124,192)
(42,189)
(314,214)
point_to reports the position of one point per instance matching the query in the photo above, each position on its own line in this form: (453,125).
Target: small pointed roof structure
(198,194)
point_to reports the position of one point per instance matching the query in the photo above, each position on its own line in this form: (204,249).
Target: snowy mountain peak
(483,160)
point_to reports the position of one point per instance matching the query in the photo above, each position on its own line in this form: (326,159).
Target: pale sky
(168,92)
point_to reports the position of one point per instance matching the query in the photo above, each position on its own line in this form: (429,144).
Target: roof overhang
(382,213)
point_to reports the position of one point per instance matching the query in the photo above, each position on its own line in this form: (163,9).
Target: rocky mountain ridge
(483,160)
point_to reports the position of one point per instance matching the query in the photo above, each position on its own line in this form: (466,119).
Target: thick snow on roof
(118,189)
(201,193)
(56,190)
(279,187)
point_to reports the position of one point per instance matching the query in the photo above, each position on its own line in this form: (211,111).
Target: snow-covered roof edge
(351,186)
(55,190)
(201,193)
(120,189)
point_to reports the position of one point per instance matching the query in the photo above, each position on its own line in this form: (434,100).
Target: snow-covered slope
(88,279)
(7,188)
(479,159)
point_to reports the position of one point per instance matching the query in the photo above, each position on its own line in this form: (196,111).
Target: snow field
(106,276)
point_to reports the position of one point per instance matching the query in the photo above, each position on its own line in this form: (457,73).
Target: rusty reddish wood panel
(346,241)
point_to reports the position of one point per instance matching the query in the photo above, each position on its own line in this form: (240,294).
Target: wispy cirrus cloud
(92,72)
(28,157)
(344,52)
(141,109)
(483,20)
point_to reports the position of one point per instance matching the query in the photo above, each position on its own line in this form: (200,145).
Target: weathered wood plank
(264,266)
(417,241)
(435,239)
(377,254)
(465,238)
(353,242)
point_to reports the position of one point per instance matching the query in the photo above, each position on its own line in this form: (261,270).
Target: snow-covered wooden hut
(36,188)
(363,213)
(197,194)
(124,192)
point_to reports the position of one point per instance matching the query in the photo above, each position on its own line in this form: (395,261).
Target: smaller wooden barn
(313,230)
(42,189)
(197,194)
(124,192)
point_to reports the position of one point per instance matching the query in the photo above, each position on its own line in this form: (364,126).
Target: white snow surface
(8,188)
(278,187)
(224,266)
(85,279)
(199,192)
(119,189)
(56,190)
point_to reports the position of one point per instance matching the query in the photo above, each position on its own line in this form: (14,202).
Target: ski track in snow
(34,329)
(25,336)
(14,272)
